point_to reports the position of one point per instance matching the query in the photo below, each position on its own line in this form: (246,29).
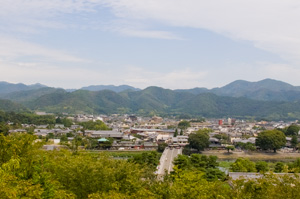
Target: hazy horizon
(144,87)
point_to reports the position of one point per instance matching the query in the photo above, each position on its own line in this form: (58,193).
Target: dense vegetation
(154,101)
(271,140)
(26,171)
(26,118)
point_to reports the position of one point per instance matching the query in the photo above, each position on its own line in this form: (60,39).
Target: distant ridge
(116,89)
(6,87)
(266,90)
(159,101)
(268,98)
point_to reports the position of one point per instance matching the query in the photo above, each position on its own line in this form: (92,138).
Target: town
(130,132)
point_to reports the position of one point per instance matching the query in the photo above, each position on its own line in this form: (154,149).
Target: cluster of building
(130,132)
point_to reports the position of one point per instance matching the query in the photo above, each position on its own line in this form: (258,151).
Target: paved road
(166,160)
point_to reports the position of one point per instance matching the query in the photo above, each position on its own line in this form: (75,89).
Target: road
(166,160)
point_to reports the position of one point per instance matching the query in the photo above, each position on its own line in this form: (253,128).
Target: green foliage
(268,187)
(192,184)
(243,165)
(63,139)
(90,143)
(181,132)
(206,164)
(176,133)
(245,146)
(223,137)
(261,166)
(150,159)
(26,171)
(26,118)
(199,140)
(230,148)
(4,128)
(97,125)
(9,106)
(294,141)
(161,147)
(279,167)
(65,121)
(270,140)
(293,130)
(155,101)
(182,162)
(184,124)
(107,144)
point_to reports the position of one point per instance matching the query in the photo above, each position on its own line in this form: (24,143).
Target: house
(126,145)
(150,146)
(180,140)
(17,131)
(73,127)
(41,132)
(59,126)
(105,134)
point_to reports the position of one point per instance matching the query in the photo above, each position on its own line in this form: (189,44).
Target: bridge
(166,160)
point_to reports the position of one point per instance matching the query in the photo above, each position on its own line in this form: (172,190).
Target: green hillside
(9,106)
(159,101)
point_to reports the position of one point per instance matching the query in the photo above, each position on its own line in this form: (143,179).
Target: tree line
(26,171)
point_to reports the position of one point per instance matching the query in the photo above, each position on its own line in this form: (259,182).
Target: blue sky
(166,43)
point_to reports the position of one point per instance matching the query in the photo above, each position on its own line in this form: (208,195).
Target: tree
(181,132)
(243,165)
(182,162)
(292,130)
(245,146)
(203,161)
(279,166)
(161,147)
(184,124)
(230,147)
(270,140)
(63,139)
(294,141)
(262,166)
(176,133)
(199,140)
(150,159)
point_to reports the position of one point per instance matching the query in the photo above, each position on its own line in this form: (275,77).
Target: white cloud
(148,34)
(271,25)
(11,48)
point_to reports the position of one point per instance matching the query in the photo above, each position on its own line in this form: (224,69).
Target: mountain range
(270,99)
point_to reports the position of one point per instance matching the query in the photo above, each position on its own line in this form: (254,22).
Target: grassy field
(254,156)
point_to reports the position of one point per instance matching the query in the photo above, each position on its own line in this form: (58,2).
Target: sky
(174,44)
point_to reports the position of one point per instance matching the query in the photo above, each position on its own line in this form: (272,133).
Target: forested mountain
(9,106)
(156,100)
(6,87)
(28,95)
(266,90)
